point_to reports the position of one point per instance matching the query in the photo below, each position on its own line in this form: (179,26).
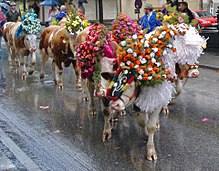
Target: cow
(20,46)
(56,43)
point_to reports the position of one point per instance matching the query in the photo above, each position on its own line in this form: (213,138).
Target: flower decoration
(90,51)
(144,55)
(76,22)
(30,23)
(124,27)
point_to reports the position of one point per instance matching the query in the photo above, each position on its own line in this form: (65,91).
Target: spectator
(53,12)
(12,14)
(2,22)
(81,7)
(62,13)
(183,7)
(148,21)
(36,8)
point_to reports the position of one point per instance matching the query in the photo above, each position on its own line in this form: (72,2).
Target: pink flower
(180,19)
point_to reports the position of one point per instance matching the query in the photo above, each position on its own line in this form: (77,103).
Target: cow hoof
(106,135)
(123,112)
(158,125)
(79,87)
(85,99)
(60,87)
(30,72)
(165,111)
(23,77)
(92,112)
(152,156)
(56,83)
(41,76)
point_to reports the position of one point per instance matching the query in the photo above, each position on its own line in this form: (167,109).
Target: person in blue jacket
(149,21)
(62,13)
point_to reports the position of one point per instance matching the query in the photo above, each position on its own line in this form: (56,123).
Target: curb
(19,154)
(206,66)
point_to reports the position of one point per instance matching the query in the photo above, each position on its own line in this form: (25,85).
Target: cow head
(126,99)
(30,42)
(108,67)
(186,71)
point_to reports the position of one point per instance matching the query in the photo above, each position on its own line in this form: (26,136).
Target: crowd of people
(149,20)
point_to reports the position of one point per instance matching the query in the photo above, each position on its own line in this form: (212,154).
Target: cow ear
(114,45)
(107,76)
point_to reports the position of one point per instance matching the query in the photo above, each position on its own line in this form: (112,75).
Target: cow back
(5,30)
(45,39)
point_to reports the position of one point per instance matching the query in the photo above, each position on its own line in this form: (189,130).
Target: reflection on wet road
(55,129)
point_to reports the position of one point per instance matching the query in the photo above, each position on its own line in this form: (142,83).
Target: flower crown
(75,22)
(30,23)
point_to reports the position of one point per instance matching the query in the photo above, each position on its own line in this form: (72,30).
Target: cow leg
(178,89)
(23,66)
(33,63)
(92,109)
(107,130)
(55,73)
(84,90)
(142,119)
(78,76)
(44,58)
(151,128)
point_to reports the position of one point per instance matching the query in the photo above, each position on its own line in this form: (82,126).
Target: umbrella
(82,1)
(49,3)
(5,7)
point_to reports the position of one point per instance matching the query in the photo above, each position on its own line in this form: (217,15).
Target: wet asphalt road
(66,137)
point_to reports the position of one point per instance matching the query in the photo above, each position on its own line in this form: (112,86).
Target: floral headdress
(124,27)
(75,22)
(30,23)
(90,51)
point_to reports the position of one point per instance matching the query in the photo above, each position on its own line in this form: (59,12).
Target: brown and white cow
(20,47)
(57,44)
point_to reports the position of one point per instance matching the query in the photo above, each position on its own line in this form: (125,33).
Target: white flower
(115,84)
(172,33)
(122,64)
(129,50)
(126,71)
(158,64)
(123,43)
(141,72)
(134,54)
(164,75)
(163,33)
(152,54)
(128,62)
(136,66)
(155,50)
(140,57)
(146,44)
(134,36)
(169,45)
(161,36)
(153,60)
(149,69)
(150,77)
(139,77)
(164,52)
(143,60)
(154,40)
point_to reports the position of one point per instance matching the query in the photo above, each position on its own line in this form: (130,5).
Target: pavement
(210,59)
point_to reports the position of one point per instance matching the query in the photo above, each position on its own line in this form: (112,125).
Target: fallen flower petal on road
(44,107)
(205,120)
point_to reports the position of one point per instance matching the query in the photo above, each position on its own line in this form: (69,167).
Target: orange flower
(147,50)
(131,65)
(174,49)
(147,57)
(156,69)
(158,76)
(167,36)
(152,72)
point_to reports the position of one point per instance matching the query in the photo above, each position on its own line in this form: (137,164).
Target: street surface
(63,136)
